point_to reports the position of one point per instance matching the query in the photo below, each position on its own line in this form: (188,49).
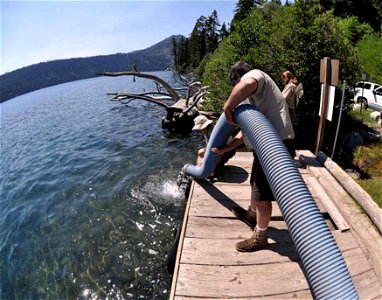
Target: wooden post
(325,79)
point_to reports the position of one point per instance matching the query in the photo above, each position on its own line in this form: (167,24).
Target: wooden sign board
(335,64)
(329,71)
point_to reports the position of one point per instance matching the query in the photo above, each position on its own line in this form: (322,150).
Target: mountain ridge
(44,74)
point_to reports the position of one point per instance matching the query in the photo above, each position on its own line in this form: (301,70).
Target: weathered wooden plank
(181,241)
(242,159)
(243,155)
(281,248)
(205,189)
(220,280)
(240,281)
(222,251)
(210,267)
(216,228)
(207,193)
(233,179)
(223,208)
(314,193)
(331,208)
(356,261)
(368,285)
(306,294)
(354,189)
(363,229)
(345,240)
(307,158)
(366,234)
(303,171)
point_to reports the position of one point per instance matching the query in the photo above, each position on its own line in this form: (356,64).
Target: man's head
(238,70)
(201,123)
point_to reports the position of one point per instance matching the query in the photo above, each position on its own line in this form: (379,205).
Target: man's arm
(236,142)
(245,88)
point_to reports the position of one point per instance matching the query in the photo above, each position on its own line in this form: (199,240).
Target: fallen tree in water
(187,98)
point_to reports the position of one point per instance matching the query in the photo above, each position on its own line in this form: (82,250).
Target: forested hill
(37,76)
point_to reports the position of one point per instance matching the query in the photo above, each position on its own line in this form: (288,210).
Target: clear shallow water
(89,202)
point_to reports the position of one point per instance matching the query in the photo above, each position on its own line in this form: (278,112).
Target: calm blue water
(89,202)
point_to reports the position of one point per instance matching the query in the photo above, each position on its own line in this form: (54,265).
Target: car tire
(363,101)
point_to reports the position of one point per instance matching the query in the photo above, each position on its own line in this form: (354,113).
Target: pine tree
(243,8)
(204,39)
(223,32)
(212,34)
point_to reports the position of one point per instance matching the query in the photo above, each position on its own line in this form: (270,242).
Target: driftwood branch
(196,101)
(168,88)
(122,97)
(180,115)
(159,96)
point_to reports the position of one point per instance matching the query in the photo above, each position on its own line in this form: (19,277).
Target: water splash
(170,188)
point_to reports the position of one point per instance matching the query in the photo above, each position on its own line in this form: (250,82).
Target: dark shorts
(260,187)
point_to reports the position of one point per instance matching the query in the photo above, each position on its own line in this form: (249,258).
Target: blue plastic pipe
(219,137)
(324,266)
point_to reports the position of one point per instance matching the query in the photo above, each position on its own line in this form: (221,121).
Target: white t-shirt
(269,101)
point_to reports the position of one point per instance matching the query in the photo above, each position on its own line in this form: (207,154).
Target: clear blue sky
(37,31)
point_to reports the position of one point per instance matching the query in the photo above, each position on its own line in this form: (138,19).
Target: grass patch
(369,160)
(362,116)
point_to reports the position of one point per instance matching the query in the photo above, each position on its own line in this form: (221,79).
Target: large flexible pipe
(322,261)
(219,136)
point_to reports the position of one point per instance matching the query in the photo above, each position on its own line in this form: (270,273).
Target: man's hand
(242,90)
(217,151)
(228,111)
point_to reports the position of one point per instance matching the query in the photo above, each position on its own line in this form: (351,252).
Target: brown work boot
(247,216)
(258,241)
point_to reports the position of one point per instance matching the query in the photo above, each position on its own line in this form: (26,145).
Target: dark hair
(240,68)
(291,78)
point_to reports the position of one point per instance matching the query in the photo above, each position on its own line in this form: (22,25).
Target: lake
(89,201)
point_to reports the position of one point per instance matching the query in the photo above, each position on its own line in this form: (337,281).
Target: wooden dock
(209,267)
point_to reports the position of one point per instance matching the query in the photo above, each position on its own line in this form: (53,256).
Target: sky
(38,31)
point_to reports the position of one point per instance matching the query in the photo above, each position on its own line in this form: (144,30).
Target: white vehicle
(369,94)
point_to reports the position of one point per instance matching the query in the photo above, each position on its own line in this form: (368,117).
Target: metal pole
(339,118)
(363,86)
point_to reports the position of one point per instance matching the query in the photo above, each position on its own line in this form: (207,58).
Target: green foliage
(215,75)
(353,29)
(368,159)
(274,38)
(370,55)
(361,116)
(367,11)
